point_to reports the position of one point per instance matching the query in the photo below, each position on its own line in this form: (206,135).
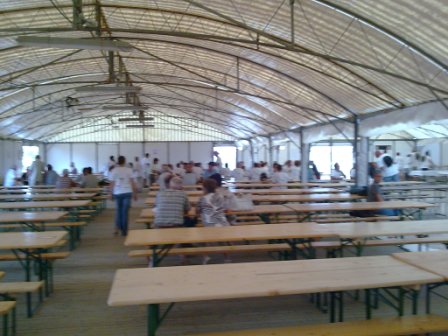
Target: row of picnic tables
(32,210)
(401,272)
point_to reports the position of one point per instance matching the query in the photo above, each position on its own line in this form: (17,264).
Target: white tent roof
(221,70)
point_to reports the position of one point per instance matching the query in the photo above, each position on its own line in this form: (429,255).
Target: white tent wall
(79,157)
(96,155)
(11,154)
(58,155)
(178,151)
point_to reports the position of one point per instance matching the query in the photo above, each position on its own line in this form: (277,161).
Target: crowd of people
(40,173)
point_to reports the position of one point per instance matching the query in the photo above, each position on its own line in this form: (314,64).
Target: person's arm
(377,195)
(134,188)
(111,189)
(187,205)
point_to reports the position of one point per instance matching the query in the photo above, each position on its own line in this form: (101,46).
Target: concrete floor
(82,283)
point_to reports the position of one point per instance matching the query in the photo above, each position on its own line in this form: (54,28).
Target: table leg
(153,319)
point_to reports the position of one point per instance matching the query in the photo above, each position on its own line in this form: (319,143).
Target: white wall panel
(104,152)
(58,155)
(130,150)
(11,154)
(157,150)
(294,151)
(201,152)
(84,155)
(178,151)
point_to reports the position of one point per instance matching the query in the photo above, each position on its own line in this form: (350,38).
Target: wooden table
(46,197)
(267,191)
(240,185)
(31,217)
(44,204)
(32,245)
(431,261)
(358,206)
(154,286)
(284,198)
(162,240)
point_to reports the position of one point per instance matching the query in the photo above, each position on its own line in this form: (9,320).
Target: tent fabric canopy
(222,70)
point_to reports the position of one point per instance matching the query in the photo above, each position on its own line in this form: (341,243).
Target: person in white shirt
(197,169)
(137,172)
(279,177)
(255,172)
(179,170)
(336,173)
(294,173)
(146,169)
(225,171)
(165,172)
(218,159)
(11,177)
(37,172)
(122,188)
(390,170)
(286,168)
(239,173)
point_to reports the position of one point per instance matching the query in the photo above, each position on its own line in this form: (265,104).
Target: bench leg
(153,319)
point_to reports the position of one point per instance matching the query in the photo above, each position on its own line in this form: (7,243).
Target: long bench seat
(405,325)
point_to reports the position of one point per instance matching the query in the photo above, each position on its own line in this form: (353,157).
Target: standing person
(155,171)
(37,172)
(122,188)
(146,169)
(375,194)
(138,174)
(390,170)
(73,170)
(218,159)
(294,173)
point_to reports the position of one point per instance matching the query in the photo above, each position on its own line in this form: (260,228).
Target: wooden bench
(8,289)
(322,220)
(333,246)
(405,325)
(49,258)
(7,308)
(256,248)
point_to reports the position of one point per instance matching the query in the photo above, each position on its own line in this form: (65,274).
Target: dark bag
(361,191)
(190,222)
(362,213)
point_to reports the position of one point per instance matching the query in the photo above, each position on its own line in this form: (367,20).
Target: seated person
(51,177)
(190,177)
(87,180)
(279,177)
(171,204)
(337,174)
(375,194)
(228,197)
(65,182)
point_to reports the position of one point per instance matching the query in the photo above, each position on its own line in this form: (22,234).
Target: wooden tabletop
(290,185)
(415,187)
(317,207)
(263,209)
(46,197)
(243,280)
(228,233)
(38,190)
(285,198)
(397,228)
(26,240)
(257,209)
(267,191)
(43,204)
(431,261)
(31,217)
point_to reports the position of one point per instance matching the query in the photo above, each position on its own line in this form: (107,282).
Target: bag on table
(243,202)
